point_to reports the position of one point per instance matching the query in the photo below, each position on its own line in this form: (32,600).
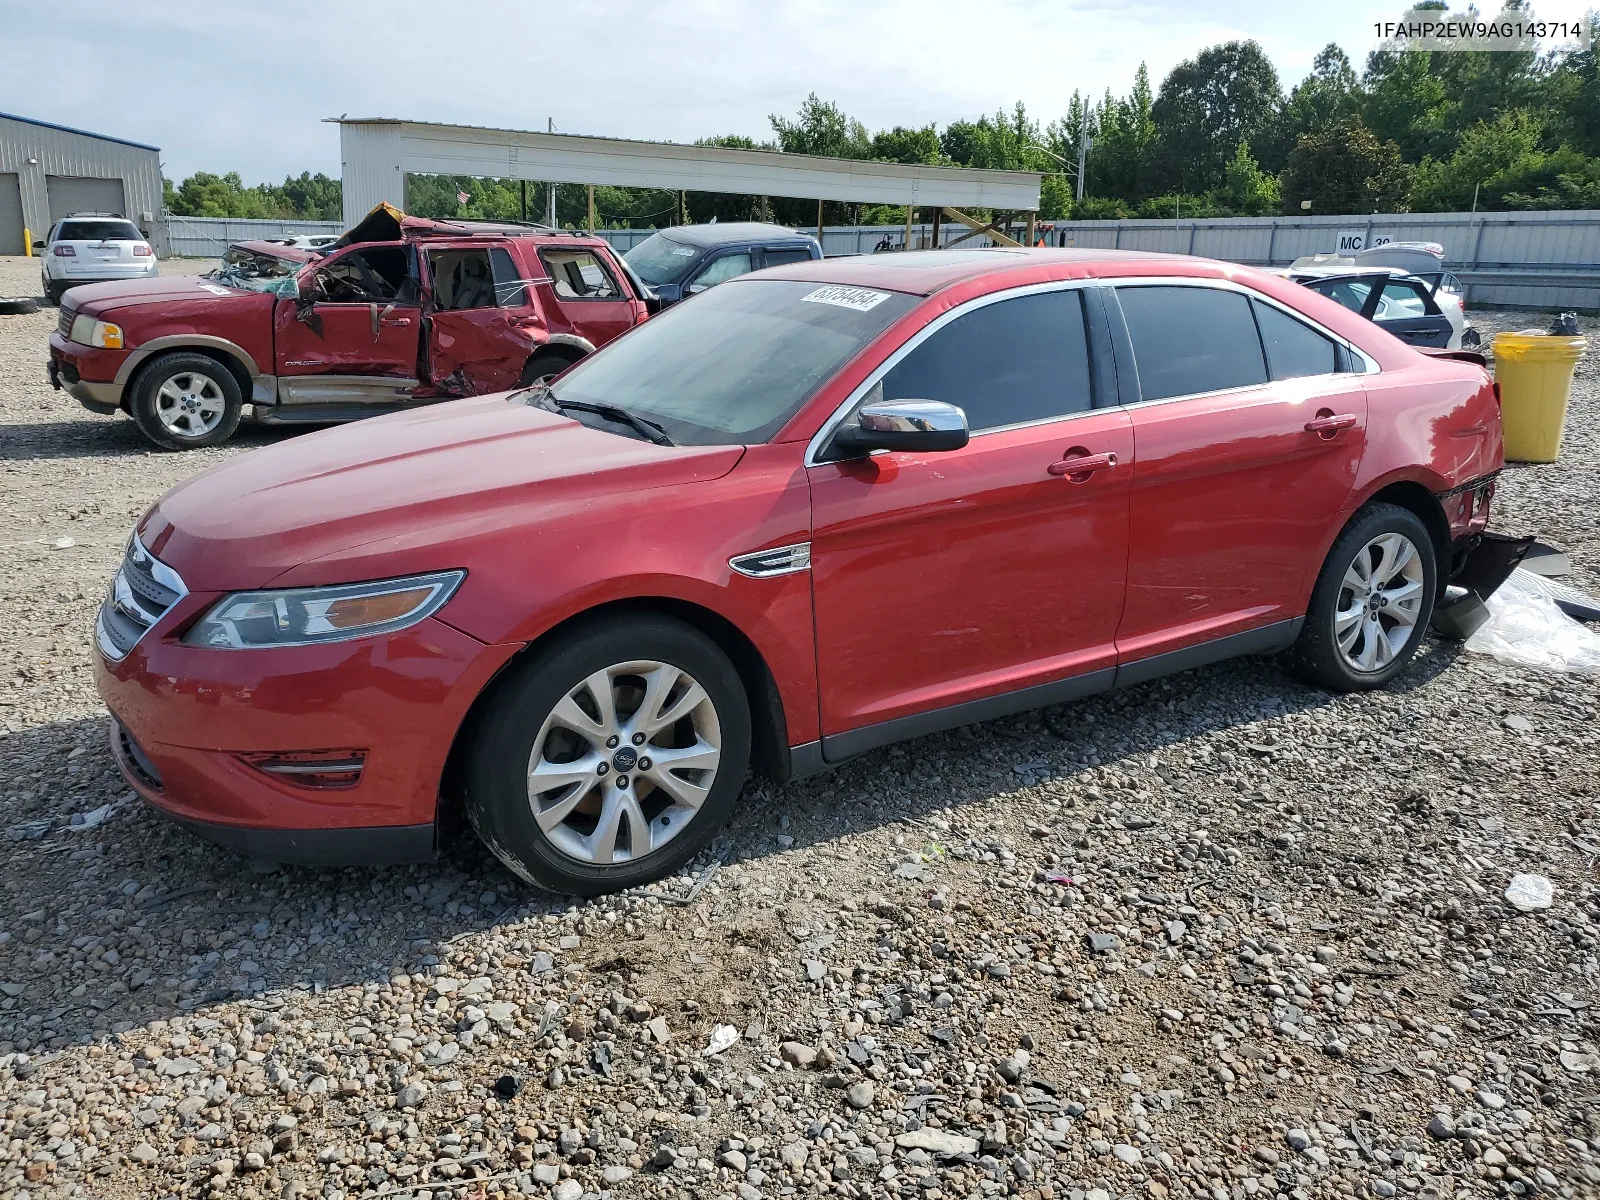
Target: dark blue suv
(686,259)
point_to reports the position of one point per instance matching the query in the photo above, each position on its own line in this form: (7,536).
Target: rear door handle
(1078,467)
(1329,424)
(397,322)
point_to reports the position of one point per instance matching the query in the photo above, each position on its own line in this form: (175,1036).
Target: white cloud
(242,85)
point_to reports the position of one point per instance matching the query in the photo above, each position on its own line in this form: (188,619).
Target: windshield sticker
(685,251)
(860,299)
(214,289)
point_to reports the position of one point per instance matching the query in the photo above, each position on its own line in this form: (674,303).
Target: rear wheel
(611,758)
(186,400)
(542,366)
(53,293)
(1371,604)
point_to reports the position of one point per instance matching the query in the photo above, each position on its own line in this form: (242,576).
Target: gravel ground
(1220,935)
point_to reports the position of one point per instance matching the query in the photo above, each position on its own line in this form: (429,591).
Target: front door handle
(1327,424)
(1077,467)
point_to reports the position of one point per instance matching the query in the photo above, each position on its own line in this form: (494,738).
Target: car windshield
(99,231)
(659,259)
(255,271)
(734,364)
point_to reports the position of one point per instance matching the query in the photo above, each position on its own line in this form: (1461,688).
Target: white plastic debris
(63,543)
(95,817)
(1526,628)
(722,1037)
(1529,893)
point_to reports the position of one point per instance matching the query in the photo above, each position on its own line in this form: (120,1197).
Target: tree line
(1413,131)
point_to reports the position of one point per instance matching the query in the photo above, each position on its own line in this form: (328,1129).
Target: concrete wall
(34,150)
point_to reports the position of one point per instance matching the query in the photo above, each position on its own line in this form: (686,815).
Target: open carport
(379,152)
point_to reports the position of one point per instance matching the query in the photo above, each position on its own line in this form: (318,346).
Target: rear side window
(1025,359)
(777,258)
(579,275)
(99,231)
(510,288)
(1351,293)
(1294,349)
(1188,340)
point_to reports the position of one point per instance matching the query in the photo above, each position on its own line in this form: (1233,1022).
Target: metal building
(50,171)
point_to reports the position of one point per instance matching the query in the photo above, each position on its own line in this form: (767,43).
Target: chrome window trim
(820,438)
(814,447)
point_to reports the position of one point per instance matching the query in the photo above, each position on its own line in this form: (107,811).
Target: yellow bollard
(1535,377)
(27,243)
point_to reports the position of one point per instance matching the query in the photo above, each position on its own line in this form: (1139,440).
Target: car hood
(173,294)
(415,481)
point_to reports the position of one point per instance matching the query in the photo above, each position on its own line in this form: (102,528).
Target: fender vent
(784,560)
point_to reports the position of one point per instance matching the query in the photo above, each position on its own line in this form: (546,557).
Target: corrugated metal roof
(80,132)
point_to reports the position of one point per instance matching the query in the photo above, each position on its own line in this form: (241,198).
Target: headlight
(310,616)
(86,331)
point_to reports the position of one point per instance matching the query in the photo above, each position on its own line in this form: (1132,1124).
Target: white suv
(93,248)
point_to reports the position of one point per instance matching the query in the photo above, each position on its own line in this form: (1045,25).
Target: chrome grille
(143,590)
(65,320)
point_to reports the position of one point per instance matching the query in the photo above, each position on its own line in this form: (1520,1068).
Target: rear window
(1188,340)
(1294,349)
(99,231)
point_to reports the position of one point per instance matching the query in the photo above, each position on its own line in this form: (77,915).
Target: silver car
(93,248)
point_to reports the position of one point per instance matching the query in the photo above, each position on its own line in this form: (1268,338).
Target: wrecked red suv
(400,312)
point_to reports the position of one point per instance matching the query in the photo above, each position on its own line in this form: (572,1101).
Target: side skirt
(834,749)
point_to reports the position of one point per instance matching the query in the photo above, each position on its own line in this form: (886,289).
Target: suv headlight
(87,331)
(311,616)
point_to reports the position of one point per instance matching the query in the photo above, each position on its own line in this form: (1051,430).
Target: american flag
(462,197)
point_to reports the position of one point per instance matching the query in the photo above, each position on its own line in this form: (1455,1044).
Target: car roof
(722,233)
(924,272)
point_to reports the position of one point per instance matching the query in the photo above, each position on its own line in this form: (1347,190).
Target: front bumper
(188,719)
(86,373)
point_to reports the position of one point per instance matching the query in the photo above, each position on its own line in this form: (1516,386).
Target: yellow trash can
(1535,376)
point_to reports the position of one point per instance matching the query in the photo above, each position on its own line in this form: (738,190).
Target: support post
(911,213)
(975,227)
(819,224)
(524,209)
(1032,223)
(591,209)
(937,213)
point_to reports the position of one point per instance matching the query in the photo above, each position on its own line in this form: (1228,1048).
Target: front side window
(372,274)
(1294,349)
(1188,340)
(737,364)
(720,270)
(1007,363)
(579,275)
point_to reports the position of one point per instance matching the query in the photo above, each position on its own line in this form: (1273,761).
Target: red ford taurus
(817,510)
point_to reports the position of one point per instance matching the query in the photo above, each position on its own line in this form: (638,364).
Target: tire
(53,293)
(546,364)
(1355,637)
(182,392)
(17,307)
(519,731)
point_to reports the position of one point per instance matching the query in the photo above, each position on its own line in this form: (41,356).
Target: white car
(1421,261)
(93,248)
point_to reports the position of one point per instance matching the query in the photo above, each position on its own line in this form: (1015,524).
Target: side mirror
(694,289)
(928,426)
(37,244)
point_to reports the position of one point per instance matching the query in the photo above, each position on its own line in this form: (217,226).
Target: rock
(1126,1154)
(1529,893)
(411,1096)
(144,1152)
(546,1173)
(859,1095)
(1011,1069)
(797,1053)
(1493,1158)
(659,1030)
(1518,723)
(1441,1126)
(937,1141)
(793,1155)
(1297,1139)
(816,970)
(614,1175)
(1103,943)
(734,1159)
(567,1189)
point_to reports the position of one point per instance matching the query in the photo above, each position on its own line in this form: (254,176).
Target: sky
(243,85)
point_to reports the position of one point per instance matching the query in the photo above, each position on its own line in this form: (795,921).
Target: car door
(1248,433)
(953,587)
(1407,309)
(480,319)
(581,296)
(354,334)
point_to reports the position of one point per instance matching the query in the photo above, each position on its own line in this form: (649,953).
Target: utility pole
(550,201)
(1083,149)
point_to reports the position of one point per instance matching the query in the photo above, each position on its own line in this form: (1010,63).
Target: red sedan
(811,512)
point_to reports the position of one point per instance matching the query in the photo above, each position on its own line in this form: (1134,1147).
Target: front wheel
(544,366)
(1371,604)
(611,758)
(185,400)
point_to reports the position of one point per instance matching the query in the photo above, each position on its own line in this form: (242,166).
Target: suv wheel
(53,293)
(1371,605)
(186,400)
(542,366)
(611,758)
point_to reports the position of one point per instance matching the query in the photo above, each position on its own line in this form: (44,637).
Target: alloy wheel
(1380,602)
(190,404)
(623,763)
